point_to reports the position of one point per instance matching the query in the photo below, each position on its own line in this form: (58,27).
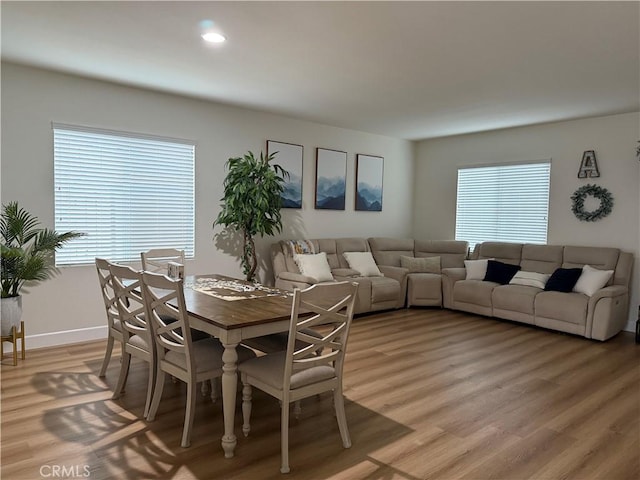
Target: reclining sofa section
(599,316)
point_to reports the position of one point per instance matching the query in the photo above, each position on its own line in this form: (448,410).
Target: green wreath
(579,196)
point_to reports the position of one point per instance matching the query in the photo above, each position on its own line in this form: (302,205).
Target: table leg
(229,387)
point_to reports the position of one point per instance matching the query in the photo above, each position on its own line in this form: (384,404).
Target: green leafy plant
(251,203)
(27,250)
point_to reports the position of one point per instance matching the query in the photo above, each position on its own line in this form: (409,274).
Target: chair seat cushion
(139,342)
(207,355)
(270,370)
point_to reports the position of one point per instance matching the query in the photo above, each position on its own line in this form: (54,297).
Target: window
(506,203)
(128,193)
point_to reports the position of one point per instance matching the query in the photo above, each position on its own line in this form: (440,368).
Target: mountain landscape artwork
(369,174)
(289,157)
(331,174)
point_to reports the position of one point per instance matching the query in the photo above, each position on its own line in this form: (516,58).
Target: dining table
(234,310)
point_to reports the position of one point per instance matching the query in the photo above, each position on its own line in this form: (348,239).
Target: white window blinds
(508,203)
(127,193)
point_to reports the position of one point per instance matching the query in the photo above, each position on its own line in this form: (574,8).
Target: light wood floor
(430,394)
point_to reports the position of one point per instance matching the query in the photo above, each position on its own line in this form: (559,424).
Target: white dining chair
(138,341)
(114,327)
(314,368)
(177,354)
(157,259)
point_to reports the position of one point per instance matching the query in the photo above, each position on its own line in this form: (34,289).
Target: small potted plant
(252,202)
(26,258)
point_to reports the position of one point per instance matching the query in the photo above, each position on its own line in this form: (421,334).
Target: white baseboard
(65,337)
(80,335)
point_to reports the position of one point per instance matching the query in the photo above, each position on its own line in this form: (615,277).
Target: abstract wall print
(369,174)
(331,175)
(289,157)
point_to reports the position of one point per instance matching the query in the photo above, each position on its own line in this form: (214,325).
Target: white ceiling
(405,69)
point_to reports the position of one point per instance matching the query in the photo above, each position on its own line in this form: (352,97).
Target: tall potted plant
(26,258)
(251,203)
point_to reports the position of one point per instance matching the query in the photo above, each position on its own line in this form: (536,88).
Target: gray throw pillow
(420,264)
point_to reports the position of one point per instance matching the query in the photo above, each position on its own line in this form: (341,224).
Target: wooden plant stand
(13,338)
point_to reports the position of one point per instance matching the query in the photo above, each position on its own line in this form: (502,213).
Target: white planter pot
(10,314)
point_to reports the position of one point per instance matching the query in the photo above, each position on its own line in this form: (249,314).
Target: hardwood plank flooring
(430,394)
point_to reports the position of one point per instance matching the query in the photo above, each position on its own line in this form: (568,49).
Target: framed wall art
(369,174)
(289,157)
(331,179)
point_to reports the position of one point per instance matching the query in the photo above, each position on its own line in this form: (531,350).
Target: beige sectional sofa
(599,316)
(396,287)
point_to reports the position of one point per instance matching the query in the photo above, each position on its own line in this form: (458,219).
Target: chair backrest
(164,299)
(127,284)
(157,259)
(107,290)
(331,306)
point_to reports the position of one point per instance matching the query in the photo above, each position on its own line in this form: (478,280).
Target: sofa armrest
(607,312)
(296,277)
(397,273)
(449,277)
(455,274)
(345,272)
(610,291)
(292,280)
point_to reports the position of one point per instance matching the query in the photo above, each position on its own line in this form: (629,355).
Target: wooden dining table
(234,310)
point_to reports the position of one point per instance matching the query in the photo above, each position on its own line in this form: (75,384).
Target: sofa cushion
(387,251)
(476,269)
(477,292)
(384,289)
(531,279)
(591,280)
(567,307)
(563,279)
(423,287)
(452,253)
(420,265)
(604,258)
(515,298)
(363,262)
(500,272)
(503,251)
(314,266)
(541,258)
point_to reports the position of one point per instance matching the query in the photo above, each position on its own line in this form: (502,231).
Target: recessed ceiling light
(213,37)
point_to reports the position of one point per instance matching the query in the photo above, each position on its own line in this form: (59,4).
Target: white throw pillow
(315,266)
(476,269)
(530,279)
(591,280)
(364,263)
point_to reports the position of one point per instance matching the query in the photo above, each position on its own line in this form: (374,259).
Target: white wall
(614,139)
(33,98)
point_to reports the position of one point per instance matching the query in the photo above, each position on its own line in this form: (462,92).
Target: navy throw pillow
(563,279)
(500,272)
